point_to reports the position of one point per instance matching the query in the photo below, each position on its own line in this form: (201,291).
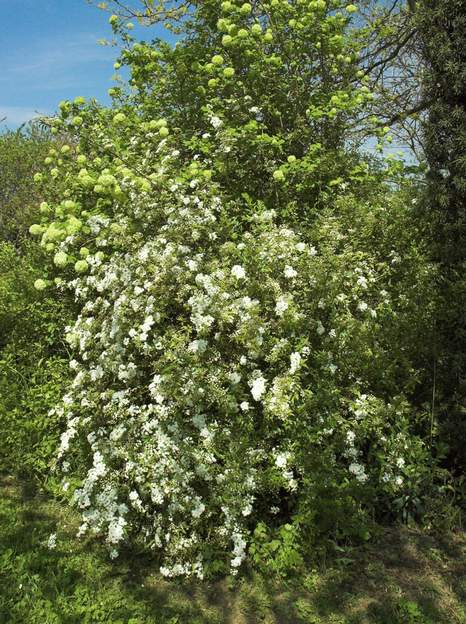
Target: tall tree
(441,26)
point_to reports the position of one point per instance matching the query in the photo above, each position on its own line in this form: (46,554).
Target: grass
(407,577)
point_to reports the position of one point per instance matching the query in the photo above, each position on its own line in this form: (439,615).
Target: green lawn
(404,578)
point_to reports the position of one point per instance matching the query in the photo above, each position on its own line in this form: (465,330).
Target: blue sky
(49,52)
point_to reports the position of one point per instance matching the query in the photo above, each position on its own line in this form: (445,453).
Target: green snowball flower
(351,8)
(35,229)
(217,59)
(119,118)
(69,204)
(60,259)
(227,40)
(81,266)
(229,72)
(164,132)
(73,226)
(278,176)
(40,284)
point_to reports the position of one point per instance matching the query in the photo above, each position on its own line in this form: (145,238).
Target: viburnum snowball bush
(231,370)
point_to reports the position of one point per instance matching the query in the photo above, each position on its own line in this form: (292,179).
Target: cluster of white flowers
(198,356)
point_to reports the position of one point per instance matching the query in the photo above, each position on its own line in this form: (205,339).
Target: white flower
(244,406)
(320,328)
(290,272)
(199,510)
(258,388)
(301,246)
(281,460)
(295,360)
(362,306)
(198,346)
(238,272)
(115,530)
(52,541)
(358,471)
(216,122)
(281,306)
(235,378)
(247,510)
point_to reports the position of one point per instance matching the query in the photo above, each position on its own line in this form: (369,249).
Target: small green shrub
(33,365)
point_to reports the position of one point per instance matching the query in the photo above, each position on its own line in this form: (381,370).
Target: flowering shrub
(231,372)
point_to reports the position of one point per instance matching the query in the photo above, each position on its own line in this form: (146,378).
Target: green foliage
(253,303)
(21,155)
(253,298)
(278,551)
(442,31)
(33,364)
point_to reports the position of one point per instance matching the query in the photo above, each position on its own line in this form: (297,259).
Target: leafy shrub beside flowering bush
(245,341)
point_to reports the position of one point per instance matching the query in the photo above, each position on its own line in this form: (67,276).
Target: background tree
(21,155)
(441,27)
(32,353)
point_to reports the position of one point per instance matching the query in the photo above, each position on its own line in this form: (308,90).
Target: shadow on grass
(405,578)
